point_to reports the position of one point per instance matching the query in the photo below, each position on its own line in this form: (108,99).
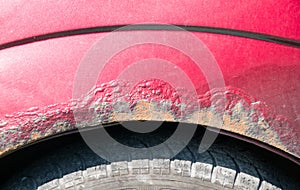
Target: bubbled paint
(153,100)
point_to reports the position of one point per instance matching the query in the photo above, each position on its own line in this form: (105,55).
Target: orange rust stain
(229,124)
(143,110)
(35,136)
(240,126)
(205,117)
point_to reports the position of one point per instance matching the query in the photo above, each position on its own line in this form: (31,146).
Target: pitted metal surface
(151,100)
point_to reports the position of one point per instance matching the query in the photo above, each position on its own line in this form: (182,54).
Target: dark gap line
(156,27)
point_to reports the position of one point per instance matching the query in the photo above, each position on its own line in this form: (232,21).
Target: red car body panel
(21,19)
(37,75)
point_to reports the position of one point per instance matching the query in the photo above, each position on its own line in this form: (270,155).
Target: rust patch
(239,113)
(144,110)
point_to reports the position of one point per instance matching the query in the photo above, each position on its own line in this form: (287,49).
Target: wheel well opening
(13,163)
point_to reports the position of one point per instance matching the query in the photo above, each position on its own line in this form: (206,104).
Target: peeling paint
(151,100)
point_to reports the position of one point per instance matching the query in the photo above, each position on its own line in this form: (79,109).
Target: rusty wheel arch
(243,117)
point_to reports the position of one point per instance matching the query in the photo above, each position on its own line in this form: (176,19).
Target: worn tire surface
(228,164)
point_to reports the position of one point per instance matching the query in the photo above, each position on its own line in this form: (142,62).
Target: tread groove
(238,170)
(60,173)
(83,165)
(193,159)
(213,158)
(214,162)
(260,177)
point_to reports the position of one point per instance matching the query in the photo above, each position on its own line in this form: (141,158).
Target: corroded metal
(151,100)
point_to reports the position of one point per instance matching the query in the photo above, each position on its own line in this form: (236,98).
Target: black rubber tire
(229,163)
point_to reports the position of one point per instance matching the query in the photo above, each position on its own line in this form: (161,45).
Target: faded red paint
(20,18)
(267,71)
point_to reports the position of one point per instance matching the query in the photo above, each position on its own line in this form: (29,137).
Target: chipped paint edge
(243,115)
